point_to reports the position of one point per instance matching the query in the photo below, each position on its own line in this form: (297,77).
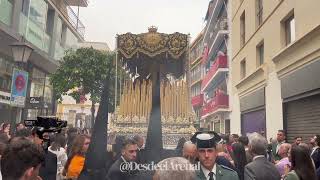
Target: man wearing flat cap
(206,148)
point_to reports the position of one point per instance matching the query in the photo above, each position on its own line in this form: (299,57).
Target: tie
(211,176)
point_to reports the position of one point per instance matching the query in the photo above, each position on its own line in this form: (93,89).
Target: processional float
(155,97)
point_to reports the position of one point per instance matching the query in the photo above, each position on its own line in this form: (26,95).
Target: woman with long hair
(5,129)
(301,165)
(75,162)
(239,159)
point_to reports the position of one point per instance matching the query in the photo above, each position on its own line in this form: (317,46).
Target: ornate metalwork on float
(151,103)
(132,115)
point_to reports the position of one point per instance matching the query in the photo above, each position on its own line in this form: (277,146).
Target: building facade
(215,85)
(50,27)
(196,75)
(77,114)
(275,67)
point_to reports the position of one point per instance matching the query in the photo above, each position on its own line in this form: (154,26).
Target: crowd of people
(26,154)
(29,154)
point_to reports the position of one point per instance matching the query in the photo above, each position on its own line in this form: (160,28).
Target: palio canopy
(139,52)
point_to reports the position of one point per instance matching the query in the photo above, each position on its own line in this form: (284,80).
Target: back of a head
(188,144)
(181,143)
(175,168)
(306,146)
(239,156)
(244,140)
(58,141)
(317,139)
(118,144)
(23,133)
(127,141)
(20,155)
(137,138)
(238,149)
(72,131)
(302,164)
(258,144)
(4,138)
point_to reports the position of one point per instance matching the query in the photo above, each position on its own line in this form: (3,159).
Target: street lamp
(21,51)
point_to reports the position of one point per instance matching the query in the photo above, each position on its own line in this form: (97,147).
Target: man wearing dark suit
(315,153)
(124,167)
(281,137)
(260,168)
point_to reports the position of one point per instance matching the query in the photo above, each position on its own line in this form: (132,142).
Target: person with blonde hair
(75,162)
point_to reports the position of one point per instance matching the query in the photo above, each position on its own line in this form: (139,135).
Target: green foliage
(84,68)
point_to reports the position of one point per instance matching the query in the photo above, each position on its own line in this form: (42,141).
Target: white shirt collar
(314,149)
(259,156)
(124,160)
(206,171)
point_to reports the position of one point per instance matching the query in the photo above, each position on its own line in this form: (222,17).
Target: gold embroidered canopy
(152,44)
(139,52)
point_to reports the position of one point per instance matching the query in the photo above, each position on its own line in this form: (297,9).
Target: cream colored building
(77,114)
(275,67)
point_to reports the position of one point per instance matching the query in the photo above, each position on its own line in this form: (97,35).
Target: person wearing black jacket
(260,168)
(123,167)
(315,153)
(48,170)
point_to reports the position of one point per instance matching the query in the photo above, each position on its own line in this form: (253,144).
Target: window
(259,12)
(227,126)
(242,29)
(6,68)
(290,30)
(243,69)
(260,54)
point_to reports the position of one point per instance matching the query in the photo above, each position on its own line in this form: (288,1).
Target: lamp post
(21,51)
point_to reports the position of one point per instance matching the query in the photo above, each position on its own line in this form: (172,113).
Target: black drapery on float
(153,55)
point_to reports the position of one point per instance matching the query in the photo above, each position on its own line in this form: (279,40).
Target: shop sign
(19,87)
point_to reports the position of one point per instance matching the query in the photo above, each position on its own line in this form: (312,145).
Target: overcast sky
(106,18)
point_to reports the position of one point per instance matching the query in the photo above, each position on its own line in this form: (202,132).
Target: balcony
(81,3)
(217,21)
(5,12)
(216,73)
(65,8)
(197,101)
(219,103)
